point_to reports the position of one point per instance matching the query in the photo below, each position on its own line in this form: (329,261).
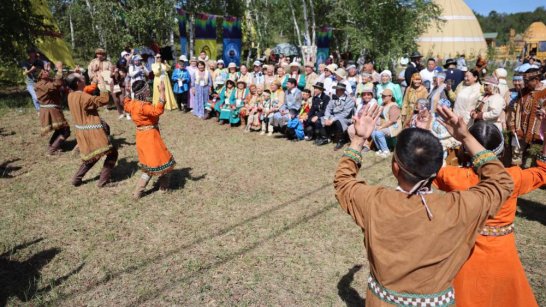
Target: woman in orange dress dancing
(153,156)
(493,274)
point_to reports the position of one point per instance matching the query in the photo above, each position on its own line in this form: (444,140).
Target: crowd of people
(420,118)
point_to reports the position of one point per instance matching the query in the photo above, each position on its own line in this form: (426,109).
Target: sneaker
(308,138)
(270,134)
(262,133)
(321,141)
(385,154)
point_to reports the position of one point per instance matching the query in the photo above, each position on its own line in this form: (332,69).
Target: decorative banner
(208,45)
(232,35)
(324,35)
(205,35)
(232,51)
(182,18)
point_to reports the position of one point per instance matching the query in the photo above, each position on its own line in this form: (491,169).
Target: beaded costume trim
(50,106)
(89,127)
(497,231)
(482,158)
(353,154)
(146,128)
(159,170)
(440,299)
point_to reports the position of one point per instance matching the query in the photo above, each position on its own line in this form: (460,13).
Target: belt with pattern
(444,298)
(50,106)
(146,128)
(497,231)
(89,127)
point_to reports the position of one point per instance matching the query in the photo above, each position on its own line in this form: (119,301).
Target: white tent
(459,34)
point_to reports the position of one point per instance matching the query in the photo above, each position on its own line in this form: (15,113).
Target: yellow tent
(535,32)
(459,34)
(51,44)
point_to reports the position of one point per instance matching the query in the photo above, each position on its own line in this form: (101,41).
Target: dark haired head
(306,91)
(488,135)
(476,74)
(201,63)
(267,91)
(72,81)
(420,153)
(292,80)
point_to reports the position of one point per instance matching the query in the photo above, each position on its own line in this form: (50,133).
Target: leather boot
(55,148)
(107,168)
(140,186)
(78,177)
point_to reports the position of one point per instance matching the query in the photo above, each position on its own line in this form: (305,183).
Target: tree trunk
(192,20)
(71,30)
(95,25)
(313,25)
(307,36)
(298,34)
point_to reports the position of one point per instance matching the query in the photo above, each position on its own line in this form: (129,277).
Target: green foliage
(502,23)
(19,27)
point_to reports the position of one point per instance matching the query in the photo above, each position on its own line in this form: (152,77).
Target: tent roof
(459,34)
(536,31)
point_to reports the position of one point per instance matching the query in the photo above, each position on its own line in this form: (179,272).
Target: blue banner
(232,51)
(182,18)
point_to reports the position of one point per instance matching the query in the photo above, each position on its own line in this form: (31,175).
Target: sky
(504,6)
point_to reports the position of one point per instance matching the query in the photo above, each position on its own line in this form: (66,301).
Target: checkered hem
(50,106)
(441,299)
(497,231)
(88,127)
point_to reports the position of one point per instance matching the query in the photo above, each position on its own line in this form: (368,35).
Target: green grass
(252,220)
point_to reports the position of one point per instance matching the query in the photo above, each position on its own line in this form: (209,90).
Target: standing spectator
(30,67)
(414,66)
(258,77)
(182,80)
(466,96)
(295,74)
(201,85)
(414,92)
(269,76)
(340,74)
(353,79)
(370,69)
(118,92)
(461,63)
(438,91)
(137,70)
(310,75)
(160,69)
(99,65)
(454,76)
(427,74)
(490,105)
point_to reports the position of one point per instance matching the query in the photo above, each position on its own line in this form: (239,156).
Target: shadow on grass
(121,142)
(531,210)
(3,132)
(69,145)
(147,262)
(346,292)
(6,169)
(124,170)
(179,177)
(21,279)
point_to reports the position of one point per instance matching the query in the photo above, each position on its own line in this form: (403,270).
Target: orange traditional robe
(153,156)
(493,274)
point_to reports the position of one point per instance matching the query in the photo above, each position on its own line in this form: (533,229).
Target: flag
(232,35)
(182,18)
(51,43)
(324,35)
(205,34)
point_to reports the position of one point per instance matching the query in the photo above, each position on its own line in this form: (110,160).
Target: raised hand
(365,123)
(454,124)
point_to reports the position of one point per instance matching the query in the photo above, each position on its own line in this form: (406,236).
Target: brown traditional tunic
(523,117)
(407,252)
(90,135)
(49,97)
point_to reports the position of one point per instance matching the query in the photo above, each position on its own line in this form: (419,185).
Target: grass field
(251,220)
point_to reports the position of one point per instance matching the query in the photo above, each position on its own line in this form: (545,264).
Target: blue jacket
(184,75)
(295,124)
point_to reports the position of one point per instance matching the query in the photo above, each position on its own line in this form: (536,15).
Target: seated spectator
(338,115)
(292,106)
(313,126)
(389,125)
(386,83)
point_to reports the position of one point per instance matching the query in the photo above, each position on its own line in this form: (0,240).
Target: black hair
(308,91)
(72,81)
(138,85)
(486,134)
(420,152)
(431,59)
(476,74)
(267,91)
(534,71)
(201,62)
(292,80)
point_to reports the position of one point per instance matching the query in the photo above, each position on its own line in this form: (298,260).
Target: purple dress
(202,83)
(191,97)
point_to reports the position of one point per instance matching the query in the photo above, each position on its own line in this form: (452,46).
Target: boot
(107,168)
(140,186)
(163,182)
(78,177)
(55,148)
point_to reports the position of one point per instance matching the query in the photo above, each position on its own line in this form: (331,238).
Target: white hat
(501,73)
(350,66)
(257,63)
(183,58)
(386,72)
(232,65)
(296,64)
(340,72)
(331,67)
(124,53)
(220,61)
(404,61)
